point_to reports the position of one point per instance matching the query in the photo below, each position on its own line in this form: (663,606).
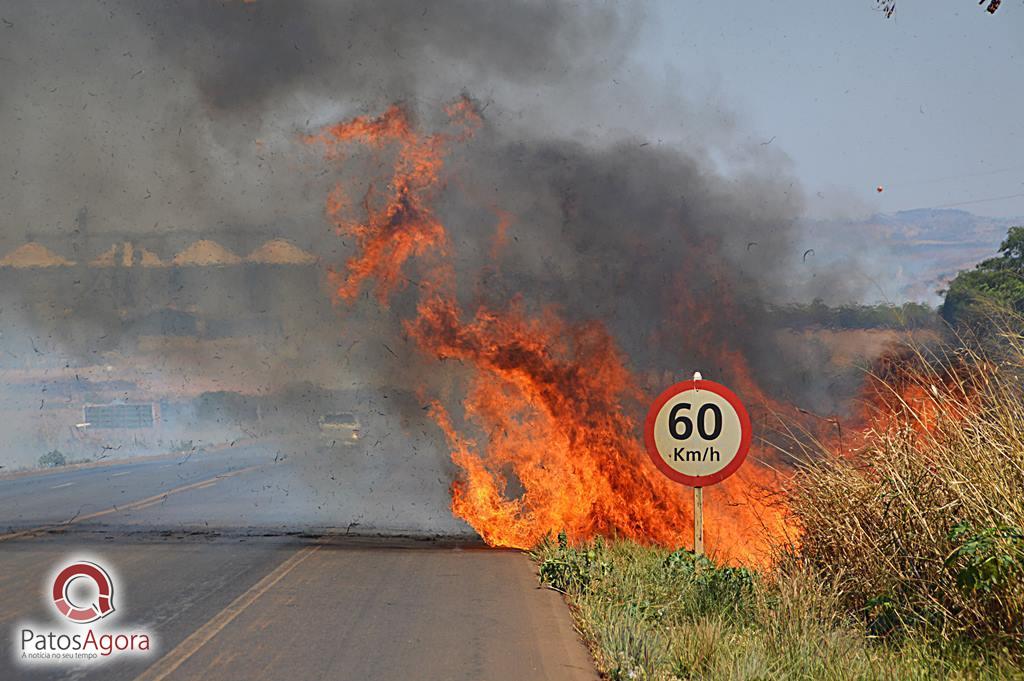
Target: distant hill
(912,254)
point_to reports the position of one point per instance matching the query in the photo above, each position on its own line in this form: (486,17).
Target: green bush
(988,560)
(716,588)
(52,459)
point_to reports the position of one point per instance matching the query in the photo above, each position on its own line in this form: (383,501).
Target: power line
(992,198)
(983,173)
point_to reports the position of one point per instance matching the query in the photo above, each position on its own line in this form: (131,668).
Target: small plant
(568,569)
(987,560)
(715,588)
(52,459)
(882,616)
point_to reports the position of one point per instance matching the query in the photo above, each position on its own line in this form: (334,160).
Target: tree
(996,283)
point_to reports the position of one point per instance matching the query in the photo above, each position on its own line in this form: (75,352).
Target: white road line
(118,475)
(66,484)
(141,503)
(166,665)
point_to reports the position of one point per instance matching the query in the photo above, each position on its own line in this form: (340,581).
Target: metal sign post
(698,520)
(697,433)
(698,500)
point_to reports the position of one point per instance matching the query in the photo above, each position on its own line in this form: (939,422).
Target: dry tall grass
(921,526)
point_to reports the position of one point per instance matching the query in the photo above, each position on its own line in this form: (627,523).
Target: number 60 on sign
(697,432)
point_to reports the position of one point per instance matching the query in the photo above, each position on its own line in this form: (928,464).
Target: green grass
(650,613)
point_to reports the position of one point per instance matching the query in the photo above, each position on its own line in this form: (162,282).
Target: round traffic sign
(697,432)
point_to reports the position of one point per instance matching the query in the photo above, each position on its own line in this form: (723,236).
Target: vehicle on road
(342,426)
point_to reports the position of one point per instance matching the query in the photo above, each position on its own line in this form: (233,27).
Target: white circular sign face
(697,433)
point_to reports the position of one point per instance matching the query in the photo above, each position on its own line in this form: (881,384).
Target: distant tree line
(982,300)
(884,316)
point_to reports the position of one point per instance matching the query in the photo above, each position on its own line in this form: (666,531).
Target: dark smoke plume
(166,122)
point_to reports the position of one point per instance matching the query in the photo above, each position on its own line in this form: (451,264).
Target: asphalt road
(281,485)
(117,492)
(229,595)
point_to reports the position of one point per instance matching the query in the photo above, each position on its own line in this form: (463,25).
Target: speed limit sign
(697,432)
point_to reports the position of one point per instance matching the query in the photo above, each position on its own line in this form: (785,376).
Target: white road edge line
(167,664)
(141,503)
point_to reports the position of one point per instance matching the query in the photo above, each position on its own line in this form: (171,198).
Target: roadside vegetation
(56,458)
(842,317)
(52,459)
(650,613)
(921,525)
(910,560)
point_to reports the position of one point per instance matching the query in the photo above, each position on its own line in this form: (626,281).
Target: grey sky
(926,104)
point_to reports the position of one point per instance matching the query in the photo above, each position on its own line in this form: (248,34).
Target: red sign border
(745,437)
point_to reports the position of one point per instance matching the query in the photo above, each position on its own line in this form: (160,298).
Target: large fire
(553,405)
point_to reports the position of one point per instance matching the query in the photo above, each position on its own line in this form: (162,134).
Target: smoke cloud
(165,122)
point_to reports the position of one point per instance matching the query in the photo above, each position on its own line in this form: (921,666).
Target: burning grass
(922,526)
(909,565)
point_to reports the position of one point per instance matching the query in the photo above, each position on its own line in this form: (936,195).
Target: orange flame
(404,226)
(906,393)
(554,403)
